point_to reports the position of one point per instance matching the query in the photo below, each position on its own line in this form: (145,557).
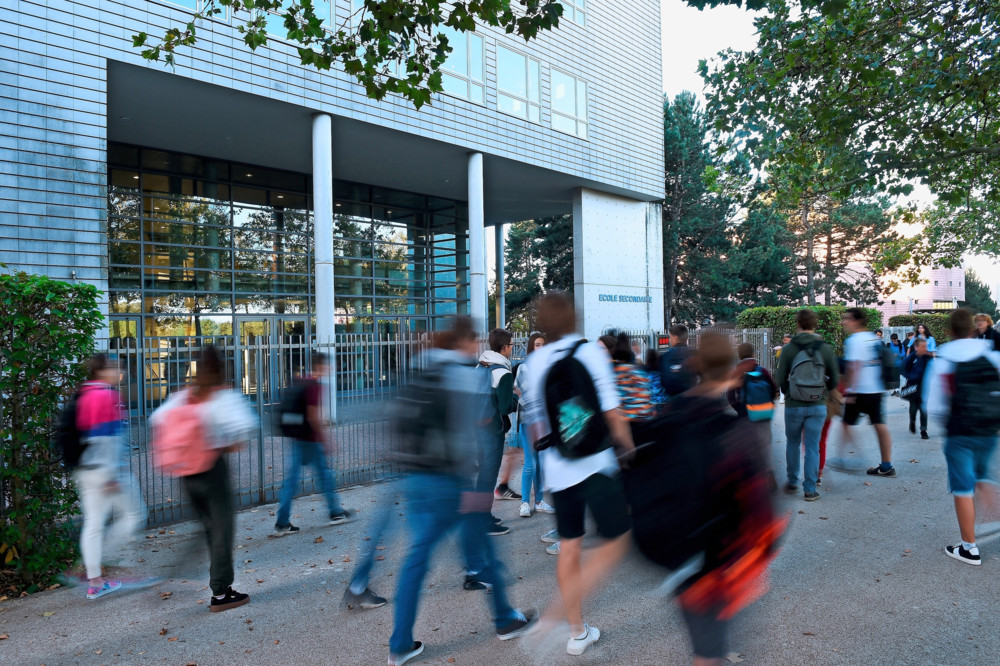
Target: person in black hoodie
(985,331)
(914,368)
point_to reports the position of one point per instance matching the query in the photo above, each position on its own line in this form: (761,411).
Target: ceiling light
(249,175)
(338,205)
(281,196)
(135,177)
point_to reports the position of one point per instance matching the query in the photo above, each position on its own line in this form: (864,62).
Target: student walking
(676,374)
(806,373)
(914,368)
(985,330)
(436,418)
(744,395)
(304,408)
(863,353)
(633,384)
(495,362)
(101,473)
(963,391)
(925,333)
(531,474)
(573,416)
(191,432)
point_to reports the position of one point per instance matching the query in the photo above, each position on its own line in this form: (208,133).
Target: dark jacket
(676,374)
(914,368)
(990,334)
(788,353)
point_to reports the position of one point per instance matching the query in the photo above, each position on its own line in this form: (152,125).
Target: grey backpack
(807,379)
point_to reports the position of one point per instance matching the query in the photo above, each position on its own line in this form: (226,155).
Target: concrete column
(477,244)
(322,162)
(501,279)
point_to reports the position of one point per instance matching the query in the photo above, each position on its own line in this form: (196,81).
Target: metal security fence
(369,368)
(765,345)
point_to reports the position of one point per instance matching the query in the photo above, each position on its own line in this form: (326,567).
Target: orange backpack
(180,439)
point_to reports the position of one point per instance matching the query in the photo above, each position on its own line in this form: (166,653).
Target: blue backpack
(757,396)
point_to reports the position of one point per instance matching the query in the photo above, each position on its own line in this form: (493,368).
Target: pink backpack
(180,441)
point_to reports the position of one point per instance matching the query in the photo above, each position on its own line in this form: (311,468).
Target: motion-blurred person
(985,330)
(701,504)
(652,368)
(900,351)
(915,368)
(676,375)
(925,333)
(863,353)
(572,411)
(806,373)
(963,391)
(311,443)
(101,474)
(191,432)
(435,422)
(632,381)
(531,474)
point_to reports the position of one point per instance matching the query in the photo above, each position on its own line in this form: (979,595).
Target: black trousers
(915,406)
(212,500)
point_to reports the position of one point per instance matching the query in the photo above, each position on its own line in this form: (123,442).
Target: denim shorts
(968,458)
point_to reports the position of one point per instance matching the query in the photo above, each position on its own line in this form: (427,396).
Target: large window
(192,240)
(462,72)
(575,10)
(518,85)
(569,104)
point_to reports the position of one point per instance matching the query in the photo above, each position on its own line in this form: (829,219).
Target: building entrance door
(270,351)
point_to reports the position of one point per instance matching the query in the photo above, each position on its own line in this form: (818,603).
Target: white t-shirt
(559,472)
(864,347)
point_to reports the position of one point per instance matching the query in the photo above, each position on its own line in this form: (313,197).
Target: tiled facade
(54,58)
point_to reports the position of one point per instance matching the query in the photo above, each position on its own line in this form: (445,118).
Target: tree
(978,296)
(763,259)
(538,258)
(900,91)
(388,46)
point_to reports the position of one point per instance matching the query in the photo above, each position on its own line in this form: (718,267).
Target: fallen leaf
(451,660)
(163,631)
(318,539)
(379,547)
(275,642)
(48,613)
(867,483)
(346,559)
(329,561)
(4,637)
(166,595)
(379,558)
(733,658)
(201,601)
(260,580)
(162,532)
(173,638)
(808,633)
(98,651)
(914,460)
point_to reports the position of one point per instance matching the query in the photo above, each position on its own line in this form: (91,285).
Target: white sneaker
(544,508)
(554,550)
(576,646)
(525,510)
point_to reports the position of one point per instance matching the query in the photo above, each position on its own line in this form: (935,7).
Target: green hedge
(782,320)
(937,324)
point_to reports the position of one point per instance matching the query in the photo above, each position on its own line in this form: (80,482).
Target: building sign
(623,298)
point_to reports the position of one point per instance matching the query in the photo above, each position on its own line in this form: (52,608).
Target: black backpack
(975,406)
(675,375)
(574,411)
(294,411)
(890,365)
(420,420)
(68,439)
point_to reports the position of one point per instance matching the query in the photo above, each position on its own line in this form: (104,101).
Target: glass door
(252,365)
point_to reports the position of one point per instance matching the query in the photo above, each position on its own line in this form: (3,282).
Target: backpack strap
(572,350)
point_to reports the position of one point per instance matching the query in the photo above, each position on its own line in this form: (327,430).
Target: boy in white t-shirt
(863,378)
(579,484)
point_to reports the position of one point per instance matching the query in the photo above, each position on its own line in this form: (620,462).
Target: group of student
(672,454)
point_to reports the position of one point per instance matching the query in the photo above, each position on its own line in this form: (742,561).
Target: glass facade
(195,245)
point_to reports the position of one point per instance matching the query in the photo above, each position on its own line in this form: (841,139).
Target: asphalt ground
(862,579)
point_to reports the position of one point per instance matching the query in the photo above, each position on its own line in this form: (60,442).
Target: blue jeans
(803,426)
(306,453)
(376,529)
(968,458)
(531,473)
(433,502)
(490,457)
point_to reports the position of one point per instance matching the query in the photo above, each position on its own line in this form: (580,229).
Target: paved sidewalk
(862,579)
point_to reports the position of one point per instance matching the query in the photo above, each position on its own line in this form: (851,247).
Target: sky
(690,35)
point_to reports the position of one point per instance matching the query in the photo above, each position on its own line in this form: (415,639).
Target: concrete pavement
(862,579)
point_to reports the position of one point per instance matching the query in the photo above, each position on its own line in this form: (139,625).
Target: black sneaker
(819,481)
(230,599)
(811,497)
(496,521)
(403,657)
(345,516)
(913,427)
(497,529)
(516,627)
(473,583)
(960,553)
(283,530)
(923,434)
(878,471)
(366,600)
(505,493)
(791,489)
